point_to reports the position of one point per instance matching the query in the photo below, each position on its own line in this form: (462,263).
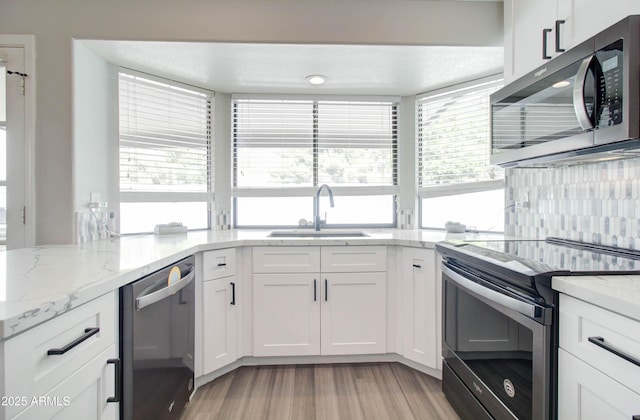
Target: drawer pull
(222,264)
(417,266)
(599,341)
(88,332)
(118,379)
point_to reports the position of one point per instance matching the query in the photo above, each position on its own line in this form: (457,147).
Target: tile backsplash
(597,202)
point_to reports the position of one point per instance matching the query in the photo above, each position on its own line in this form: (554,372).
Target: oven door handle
(145,300)
(520,306)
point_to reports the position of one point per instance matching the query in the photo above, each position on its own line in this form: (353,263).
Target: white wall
(95,129)
(61,183)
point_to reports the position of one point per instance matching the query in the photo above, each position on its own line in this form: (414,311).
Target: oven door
(497,345)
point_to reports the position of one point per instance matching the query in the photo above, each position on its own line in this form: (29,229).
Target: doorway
(12,148)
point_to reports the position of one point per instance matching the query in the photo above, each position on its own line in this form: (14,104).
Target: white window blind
(357,143)
(285,147)
(273,143)
(296,143)
(453,129)
(166,156)
(165,136)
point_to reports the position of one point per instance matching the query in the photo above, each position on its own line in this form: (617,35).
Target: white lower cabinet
(585,393)
(220,308)
(83,395)
(420,306)
(354,313)
(319,313)
(286,314)
(598,363)
(220,323)
(65,368)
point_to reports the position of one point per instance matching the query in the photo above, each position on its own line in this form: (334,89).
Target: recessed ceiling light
(316,79)
(561,84)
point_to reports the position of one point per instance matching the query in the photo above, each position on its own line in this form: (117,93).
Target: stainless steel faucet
(316,205)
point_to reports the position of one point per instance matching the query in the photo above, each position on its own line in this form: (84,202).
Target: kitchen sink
(308,233)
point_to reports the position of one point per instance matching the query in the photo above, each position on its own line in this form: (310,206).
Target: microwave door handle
(146,299)
(579,105)
(491,295)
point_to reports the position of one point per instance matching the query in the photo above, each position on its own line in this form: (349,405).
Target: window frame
(207,197)
(310,191)
(434,191)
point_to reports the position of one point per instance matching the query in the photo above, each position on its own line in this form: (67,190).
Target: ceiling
(282,68)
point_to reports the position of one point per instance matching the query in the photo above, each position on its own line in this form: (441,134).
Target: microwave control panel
(611,84)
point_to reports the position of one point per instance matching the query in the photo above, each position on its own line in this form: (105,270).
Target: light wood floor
(371,391)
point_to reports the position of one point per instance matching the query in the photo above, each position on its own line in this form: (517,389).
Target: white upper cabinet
(545,28)
(529,35)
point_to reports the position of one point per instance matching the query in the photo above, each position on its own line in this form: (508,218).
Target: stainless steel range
(500,321)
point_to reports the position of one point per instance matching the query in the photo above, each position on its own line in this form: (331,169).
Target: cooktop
(552,256)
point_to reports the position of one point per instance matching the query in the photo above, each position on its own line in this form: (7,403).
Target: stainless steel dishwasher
(157,342)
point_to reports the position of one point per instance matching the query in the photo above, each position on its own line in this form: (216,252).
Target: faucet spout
(316,205)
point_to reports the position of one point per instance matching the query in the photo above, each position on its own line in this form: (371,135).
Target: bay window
(165,153)
(284,148)
(455,180)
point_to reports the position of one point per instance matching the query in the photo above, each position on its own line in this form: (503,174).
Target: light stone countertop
(39,283)
(620,293)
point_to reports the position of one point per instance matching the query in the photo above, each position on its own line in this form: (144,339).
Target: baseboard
(315,360)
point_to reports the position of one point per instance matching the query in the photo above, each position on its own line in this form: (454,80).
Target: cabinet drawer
(289,259)
(350,259)
(586,393)
(31,372)
(82,395)
(219,263)
(580,321)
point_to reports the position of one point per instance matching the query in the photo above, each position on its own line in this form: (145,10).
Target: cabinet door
(593,16)
(354,313)
(83,395)
(220,325)
(530,18)
(419,306)
(585,393)
(286,314)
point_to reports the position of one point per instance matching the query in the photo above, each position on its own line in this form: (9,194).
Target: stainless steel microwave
(581,105)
